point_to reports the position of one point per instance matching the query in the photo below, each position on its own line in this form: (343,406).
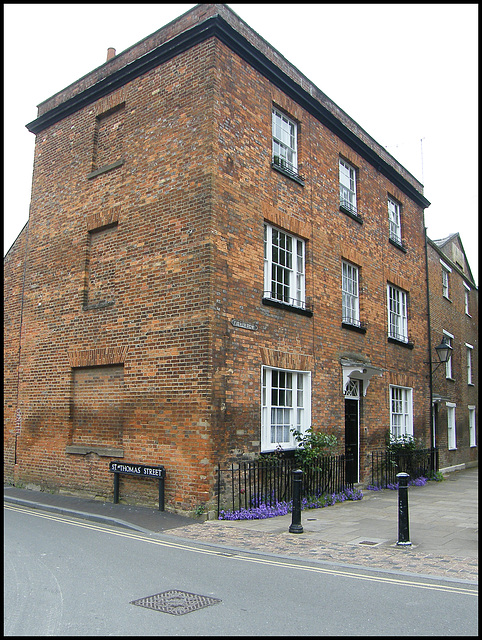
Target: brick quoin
(145,245)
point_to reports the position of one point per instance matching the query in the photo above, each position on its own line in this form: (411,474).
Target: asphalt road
(64,576)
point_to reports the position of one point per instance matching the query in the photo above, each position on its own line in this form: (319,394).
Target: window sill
(351,214)
(105,169)
(358,328)
(397,244)
(83,450)
(286,451)
(296,177)
(98,305)
(268,302)
(402,343)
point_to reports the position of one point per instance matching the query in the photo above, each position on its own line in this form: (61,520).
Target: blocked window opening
(97,405)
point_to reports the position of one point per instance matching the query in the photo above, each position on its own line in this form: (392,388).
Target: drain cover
(369,542)
(175,602)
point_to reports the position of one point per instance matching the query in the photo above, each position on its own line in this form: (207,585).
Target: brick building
(216,253)
(454,318)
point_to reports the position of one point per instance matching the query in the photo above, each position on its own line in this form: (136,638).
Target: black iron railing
(251,484)
(417,463)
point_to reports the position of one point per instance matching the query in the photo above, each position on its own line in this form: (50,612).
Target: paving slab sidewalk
(443,527)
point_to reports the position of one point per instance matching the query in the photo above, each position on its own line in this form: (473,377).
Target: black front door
(351,440)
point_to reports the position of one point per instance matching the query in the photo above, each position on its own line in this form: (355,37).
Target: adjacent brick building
(454,318)
(216,254)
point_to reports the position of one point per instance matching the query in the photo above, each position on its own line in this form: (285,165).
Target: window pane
(400,411)
(284,140)
(284,267)
(288,397)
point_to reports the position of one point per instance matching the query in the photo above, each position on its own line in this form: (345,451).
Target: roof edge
(217,26)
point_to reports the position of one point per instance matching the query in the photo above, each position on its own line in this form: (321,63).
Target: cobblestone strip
(395,558)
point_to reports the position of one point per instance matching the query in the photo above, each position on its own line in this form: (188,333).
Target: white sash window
(285,406)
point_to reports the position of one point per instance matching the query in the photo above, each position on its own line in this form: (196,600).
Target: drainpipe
(18,414)
(432,426)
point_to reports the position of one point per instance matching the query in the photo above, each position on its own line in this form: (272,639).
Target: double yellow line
(469,590)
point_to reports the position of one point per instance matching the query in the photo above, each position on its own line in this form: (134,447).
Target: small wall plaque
(241,324)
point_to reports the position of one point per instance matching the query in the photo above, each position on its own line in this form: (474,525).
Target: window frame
(448,337)
(295,411)
(350,203)
(446,271)
(451,426)
(467,300)
(286,152)
(394,221)
(406,399)
(354,317)
(295,272)
(469,351)
(401,335)
(472,426)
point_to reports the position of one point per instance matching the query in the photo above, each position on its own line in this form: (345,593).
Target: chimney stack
(110,53)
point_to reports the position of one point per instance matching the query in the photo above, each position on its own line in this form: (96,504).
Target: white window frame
(451,426)
(395,227)
(472,428)
(347,178)
(285,141)
(285,406)
(401,411)
(448,365)
(466,300)
(397,313)
(350,293)
(469,348)
(284,267)
(446,271)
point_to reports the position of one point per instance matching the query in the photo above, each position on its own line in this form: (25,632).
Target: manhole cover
(176,602)
(374,542)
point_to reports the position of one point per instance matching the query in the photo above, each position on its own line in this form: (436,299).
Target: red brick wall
(248,193)
(13,279)
(449,315)
(138,238)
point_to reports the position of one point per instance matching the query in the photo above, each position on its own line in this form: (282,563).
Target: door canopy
(356,370)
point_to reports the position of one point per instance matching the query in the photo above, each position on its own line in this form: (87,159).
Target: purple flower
(282,508)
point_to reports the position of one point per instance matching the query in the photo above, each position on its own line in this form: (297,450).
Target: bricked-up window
(401,412)
(108,137)
(397,314)
(395,227)
(451,434)
(285,143)
(348,187)
(284,267)
(98,405)
(350,296)
(285,407)
(101,267)
(472,428)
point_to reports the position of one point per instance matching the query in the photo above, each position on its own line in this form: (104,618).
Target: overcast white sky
(406,73)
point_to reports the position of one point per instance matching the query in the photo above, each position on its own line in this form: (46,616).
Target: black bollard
(295,526)
(403,536)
